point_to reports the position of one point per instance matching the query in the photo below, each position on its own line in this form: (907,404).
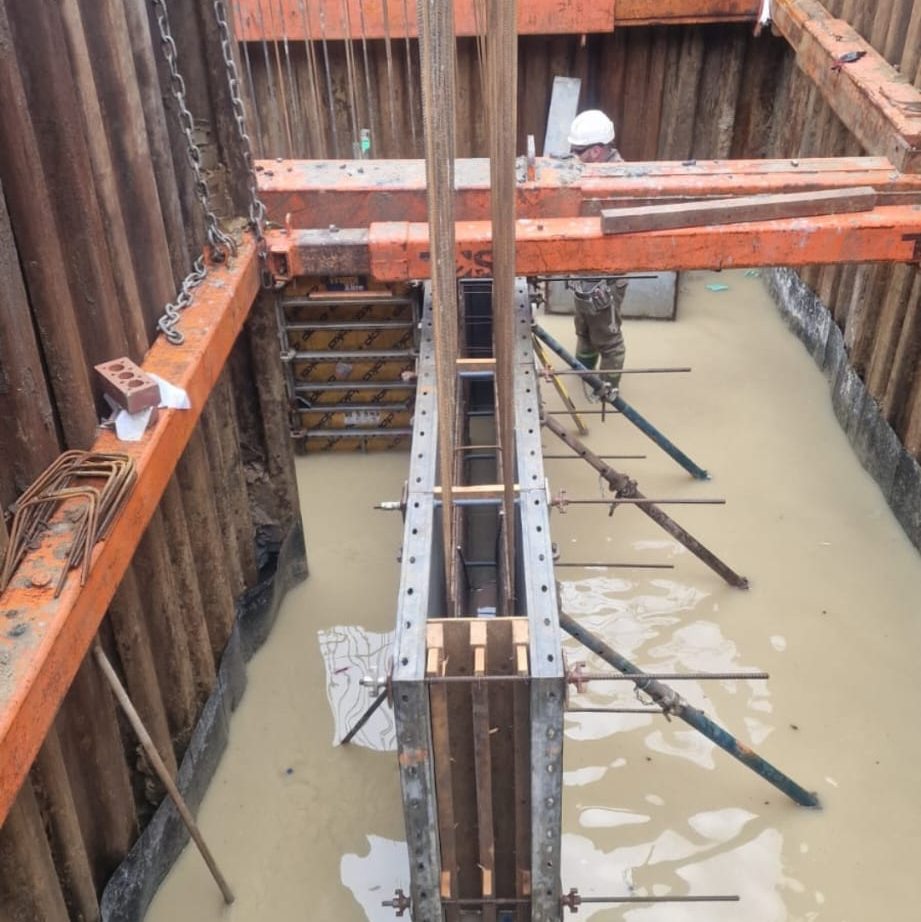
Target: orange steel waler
(275,20)
(358,193)
(399,251)
(41,661)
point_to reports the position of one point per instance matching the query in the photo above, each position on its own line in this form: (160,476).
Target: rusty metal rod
(378,701)
(614,711)
(618,566)
(553,372)
(671,701)
(627,488)
(727,898)
(638,420)
(150,749)
(578,678)
(604,412)
(603,457)
(635,500)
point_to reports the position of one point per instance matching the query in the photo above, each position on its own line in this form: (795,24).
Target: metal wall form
(421,586)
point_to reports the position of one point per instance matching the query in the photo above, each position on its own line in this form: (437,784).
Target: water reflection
(375,876)
(349,653)
(664,625)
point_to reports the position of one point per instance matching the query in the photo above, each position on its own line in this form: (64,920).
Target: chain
(257,213)
(221,244)
(167,323)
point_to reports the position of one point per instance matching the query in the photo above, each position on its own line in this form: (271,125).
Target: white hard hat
(591,127)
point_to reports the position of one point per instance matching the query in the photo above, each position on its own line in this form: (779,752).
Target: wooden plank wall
(683,102)
(877,307)
(97,226)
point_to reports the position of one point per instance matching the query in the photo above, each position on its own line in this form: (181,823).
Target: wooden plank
(58,632)
(459,661)
(55,799)
(890,324)
(741,210)
(482,755)
(29,887)
(27,425)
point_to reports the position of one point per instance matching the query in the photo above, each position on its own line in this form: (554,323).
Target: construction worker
(598,301)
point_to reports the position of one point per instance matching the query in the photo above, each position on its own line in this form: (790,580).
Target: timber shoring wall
(674,92)
(98,223)
(878,307)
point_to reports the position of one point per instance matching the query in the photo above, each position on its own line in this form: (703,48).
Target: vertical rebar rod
(121,696)
(671,702)
(437,50)
(502,104)
(618,402)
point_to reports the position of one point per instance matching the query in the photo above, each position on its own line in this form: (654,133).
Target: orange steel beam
(53,635)
(298,20)
(873,100)
(399,251)
(357,193)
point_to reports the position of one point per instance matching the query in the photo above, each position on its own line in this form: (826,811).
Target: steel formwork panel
(420,601)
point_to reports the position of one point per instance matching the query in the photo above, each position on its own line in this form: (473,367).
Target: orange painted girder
(53,635)
(297,20)
(337,19)
(357,193)
(399,251)
(872,99)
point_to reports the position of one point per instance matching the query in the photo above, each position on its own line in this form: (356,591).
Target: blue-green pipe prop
(673,704)
(619,403)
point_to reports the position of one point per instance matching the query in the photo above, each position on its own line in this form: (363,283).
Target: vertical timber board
(417,599)
(548,683)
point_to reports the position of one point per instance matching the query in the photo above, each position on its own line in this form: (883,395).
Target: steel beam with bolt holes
(52,635)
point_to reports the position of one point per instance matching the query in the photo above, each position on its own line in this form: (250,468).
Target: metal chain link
(167,323)
(257,211)
(221,244)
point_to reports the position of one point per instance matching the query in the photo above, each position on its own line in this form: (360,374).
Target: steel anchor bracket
(571,901)
(400,902)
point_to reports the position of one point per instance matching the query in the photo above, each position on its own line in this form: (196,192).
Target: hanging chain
(170,319)
(221,244)
(257,211)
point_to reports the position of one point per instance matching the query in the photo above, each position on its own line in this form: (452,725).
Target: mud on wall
(98,224)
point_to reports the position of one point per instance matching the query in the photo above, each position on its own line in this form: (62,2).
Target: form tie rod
(670,701)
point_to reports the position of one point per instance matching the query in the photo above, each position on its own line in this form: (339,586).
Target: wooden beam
(742,210)
(876,103)
(482,750)
(276,20)
(53,636)
(398,252)
(353,194)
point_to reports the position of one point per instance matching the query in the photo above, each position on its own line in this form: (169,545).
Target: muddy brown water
(306,830)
